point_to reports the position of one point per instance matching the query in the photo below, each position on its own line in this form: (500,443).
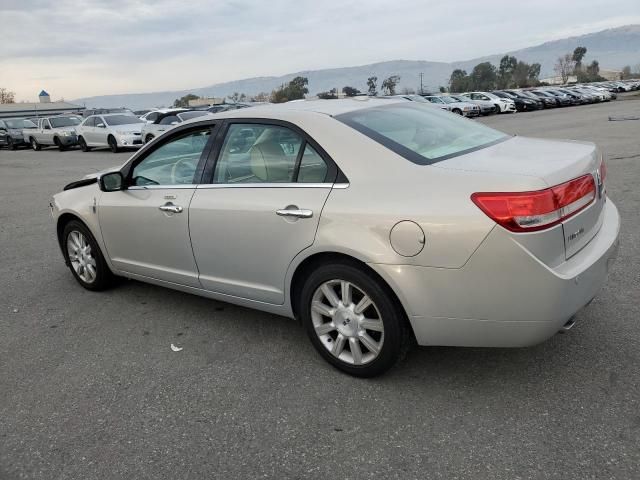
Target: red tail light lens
(531,211)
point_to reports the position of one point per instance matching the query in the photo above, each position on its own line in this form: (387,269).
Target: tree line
(511,73)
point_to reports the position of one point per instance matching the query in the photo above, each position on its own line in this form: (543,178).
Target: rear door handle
(170,207)
(295,212)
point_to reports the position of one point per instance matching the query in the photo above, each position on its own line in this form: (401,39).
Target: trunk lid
(554,162)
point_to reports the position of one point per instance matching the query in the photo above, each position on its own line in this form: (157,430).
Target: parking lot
(90,388)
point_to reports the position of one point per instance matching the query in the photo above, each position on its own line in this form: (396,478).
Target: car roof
(326,107)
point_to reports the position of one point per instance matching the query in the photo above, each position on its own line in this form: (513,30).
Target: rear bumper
(503,296)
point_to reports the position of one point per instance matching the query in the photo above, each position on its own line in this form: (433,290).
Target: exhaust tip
(568,326)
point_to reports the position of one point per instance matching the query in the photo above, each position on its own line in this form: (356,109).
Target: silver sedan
(376,223)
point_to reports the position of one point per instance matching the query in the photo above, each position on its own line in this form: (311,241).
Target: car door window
(169,120)
(174,162)
(313,169)
(91,122)
(258,153)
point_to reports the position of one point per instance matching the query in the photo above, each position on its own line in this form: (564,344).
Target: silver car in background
(113,130)
(374,222)
(454,105)
(59,131)
(167,120)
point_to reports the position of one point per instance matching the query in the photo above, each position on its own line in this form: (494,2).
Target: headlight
(66,133)
(15,133)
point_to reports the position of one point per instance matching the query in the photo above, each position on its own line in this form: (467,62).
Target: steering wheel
(174,170)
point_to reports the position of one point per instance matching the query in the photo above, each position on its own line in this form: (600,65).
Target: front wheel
(59,144)
(148,138)
(497,110)
(84,257)
(10,144)
(457,111)
(83,144)
(35,145)
(113,144)
(353,320)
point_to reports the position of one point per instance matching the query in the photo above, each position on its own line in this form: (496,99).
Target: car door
(145,227)
(45,134)
(86,129)
(262,208)
(100,132)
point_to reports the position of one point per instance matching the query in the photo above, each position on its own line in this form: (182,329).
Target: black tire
(148,138)
(113,144)
(457,111)
(35,145)
(497,108)
(10,144)
(397,334)
(103,278)
(59,144)
(83,144)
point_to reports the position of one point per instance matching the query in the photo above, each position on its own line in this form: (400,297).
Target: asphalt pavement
(90,388)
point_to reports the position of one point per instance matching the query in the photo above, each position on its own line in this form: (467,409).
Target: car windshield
(122,120)
(421,134)
(58,122)
(20,123)
(188,115)
(459,98)
(449,100)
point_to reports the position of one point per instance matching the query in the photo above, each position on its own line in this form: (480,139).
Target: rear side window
(421,134)
(262,153)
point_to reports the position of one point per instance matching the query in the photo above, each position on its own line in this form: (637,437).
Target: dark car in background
(539,104)
(523,104)
(11,133)
(563,99)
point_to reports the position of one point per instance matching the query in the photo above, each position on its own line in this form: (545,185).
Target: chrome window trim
(264,185)
(239,185)
(162,187)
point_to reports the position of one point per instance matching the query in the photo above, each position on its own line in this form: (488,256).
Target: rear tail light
(538,210)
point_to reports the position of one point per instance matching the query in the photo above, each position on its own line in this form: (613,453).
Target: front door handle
(295,212)
(170,207)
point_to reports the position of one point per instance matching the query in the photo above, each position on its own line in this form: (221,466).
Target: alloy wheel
(81,257)
(347,322)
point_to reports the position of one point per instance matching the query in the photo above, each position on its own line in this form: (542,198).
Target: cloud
(90,47)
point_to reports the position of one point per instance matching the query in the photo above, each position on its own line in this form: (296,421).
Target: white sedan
(502,105)
(114,130)
(375,222)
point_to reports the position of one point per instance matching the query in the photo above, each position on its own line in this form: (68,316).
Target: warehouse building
(44,107)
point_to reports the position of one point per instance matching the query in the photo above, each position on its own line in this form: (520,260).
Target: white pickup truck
(59,131)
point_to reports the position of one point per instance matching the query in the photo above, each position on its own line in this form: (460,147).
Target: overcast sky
(77,48)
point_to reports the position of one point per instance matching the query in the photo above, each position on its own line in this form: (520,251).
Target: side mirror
(100,125)
(111,182)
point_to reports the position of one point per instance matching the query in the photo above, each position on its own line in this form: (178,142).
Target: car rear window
(421,133)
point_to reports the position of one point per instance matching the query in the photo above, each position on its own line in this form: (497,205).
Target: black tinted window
(169,120)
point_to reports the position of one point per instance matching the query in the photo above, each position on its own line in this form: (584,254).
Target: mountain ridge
(613,48)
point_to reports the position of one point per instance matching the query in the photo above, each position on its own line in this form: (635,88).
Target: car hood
(129,127)
(553,161)
(64,129)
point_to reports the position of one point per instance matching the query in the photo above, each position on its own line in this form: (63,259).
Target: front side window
(420,134)
(189,115)
(256,153)
(174,162)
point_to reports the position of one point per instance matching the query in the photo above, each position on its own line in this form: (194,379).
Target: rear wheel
(353,320)
(83,144)
(113,144)
(35,145)
(84,257)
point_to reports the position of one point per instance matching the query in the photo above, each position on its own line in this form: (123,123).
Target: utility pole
(421,89)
